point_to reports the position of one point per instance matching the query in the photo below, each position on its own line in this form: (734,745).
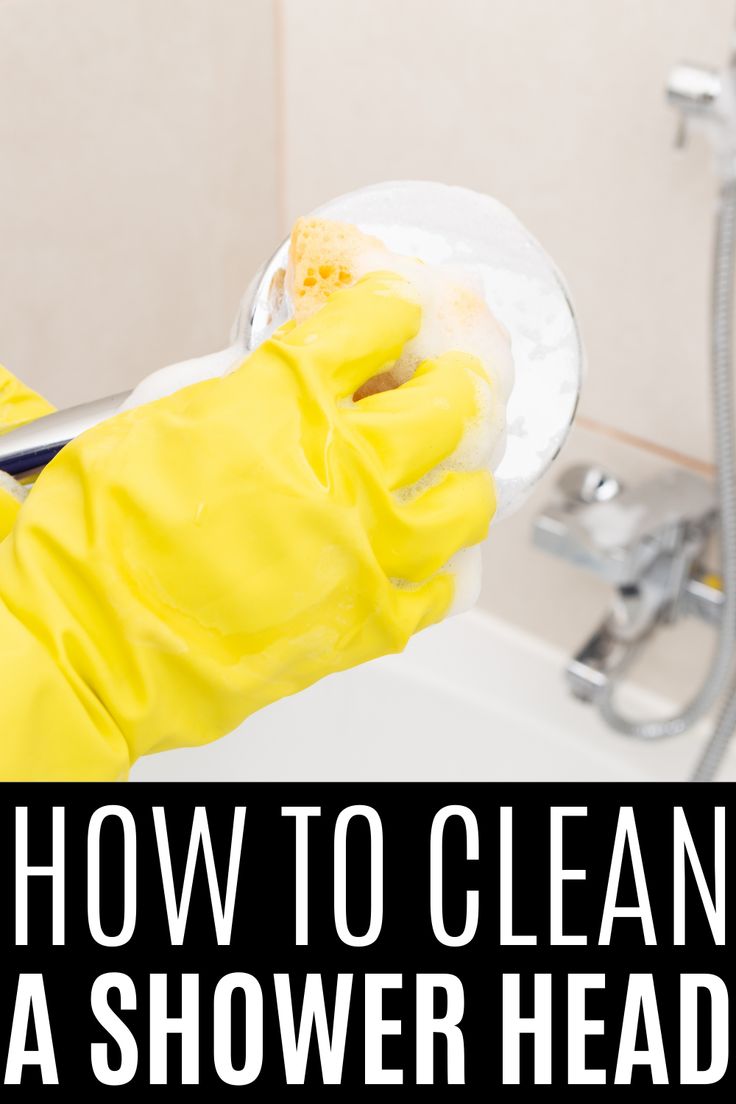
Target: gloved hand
(190,561)
(18,404)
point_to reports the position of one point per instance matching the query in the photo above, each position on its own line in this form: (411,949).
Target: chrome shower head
(441,223)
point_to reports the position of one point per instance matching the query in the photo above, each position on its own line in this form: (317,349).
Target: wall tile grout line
(279,34)
(622,436)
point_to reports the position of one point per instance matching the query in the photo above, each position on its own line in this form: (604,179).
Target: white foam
(446,325)
(166,381)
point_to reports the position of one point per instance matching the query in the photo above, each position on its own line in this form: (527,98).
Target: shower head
(443,224)
(437,223)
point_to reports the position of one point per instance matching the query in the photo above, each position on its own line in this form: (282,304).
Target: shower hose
(720,675)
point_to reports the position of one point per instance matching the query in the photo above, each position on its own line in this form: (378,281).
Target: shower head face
(442,224)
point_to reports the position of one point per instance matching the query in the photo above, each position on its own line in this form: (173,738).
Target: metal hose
(722,388)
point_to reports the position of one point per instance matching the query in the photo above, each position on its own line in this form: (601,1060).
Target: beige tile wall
(137,182)
(153,152)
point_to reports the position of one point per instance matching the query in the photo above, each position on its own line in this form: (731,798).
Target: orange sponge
(323,257)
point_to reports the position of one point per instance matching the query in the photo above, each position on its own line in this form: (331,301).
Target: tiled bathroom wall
(154,152)
(137,182)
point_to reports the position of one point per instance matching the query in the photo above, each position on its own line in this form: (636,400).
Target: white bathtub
(471,699)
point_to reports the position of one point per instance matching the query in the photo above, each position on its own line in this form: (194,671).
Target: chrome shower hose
(721,669)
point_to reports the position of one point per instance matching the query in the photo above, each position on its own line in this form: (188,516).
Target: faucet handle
(583,484)
(694,90)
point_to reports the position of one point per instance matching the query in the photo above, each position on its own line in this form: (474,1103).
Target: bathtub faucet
(648,542)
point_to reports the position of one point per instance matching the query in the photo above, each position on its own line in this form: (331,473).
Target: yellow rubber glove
(18,404)
(187,562)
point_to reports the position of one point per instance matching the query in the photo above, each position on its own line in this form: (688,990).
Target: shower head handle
(27,449)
